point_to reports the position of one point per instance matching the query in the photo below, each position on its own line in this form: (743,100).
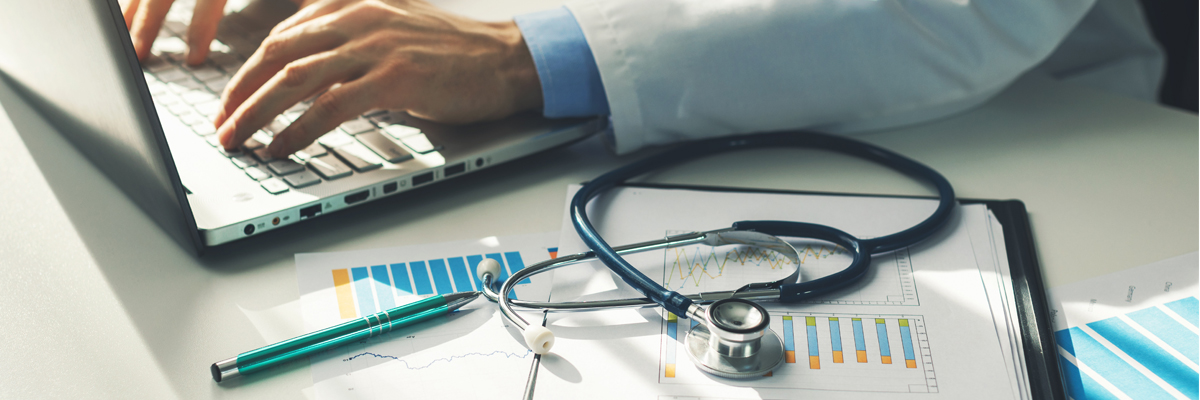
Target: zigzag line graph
(704,262)
(446,359)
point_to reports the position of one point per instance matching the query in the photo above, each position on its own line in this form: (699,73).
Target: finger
(308,11)
(276,52)
(338,105)
(203,29)
(146,23)
(130,9)
(292,85)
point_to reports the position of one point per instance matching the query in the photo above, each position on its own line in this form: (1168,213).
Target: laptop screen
(73,61)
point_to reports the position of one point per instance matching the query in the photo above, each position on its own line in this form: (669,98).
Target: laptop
(148,126)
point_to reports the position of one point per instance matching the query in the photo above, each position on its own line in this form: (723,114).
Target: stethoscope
(732,338)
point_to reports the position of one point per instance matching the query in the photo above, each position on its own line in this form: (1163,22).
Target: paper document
(927,322)
(469,354)
(1131,334)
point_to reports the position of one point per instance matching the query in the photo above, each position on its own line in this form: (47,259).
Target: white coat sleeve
(685,69)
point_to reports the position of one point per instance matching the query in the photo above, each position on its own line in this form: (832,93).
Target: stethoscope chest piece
(735,341)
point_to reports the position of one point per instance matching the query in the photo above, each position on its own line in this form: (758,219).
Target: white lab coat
(685,69)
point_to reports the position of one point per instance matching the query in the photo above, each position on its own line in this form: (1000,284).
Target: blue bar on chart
(860,341)
(383,287)
(1110,367)
(1144,351)
(458,269)
(789,341)
(1080,385)
(910,357)
(362,287)
(400,277)
(1172,332)
(441,279)
(672,342)
(814,360)
(473,262)
(500,259)
(1188,308)
(835,339)
(420,276)
(515,263)
(885,352)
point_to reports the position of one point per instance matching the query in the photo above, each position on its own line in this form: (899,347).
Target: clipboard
(1037,330)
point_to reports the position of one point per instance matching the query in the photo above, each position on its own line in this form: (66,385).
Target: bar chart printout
(821,336)
(1131,334)
(473,341)
(367,290)
(1153,352)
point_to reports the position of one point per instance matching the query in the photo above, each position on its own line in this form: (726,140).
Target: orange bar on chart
(862,356)
(789,356)
(670,371)
(837,356)
(910,363)
(814,362)
(887,359)
(345,299)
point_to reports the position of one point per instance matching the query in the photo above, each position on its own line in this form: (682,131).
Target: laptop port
(423,178)
(389,187)
(454,170)
(310,211)
(357,197)
(249,229)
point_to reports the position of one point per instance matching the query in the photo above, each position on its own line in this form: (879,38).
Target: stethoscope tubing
(679,304)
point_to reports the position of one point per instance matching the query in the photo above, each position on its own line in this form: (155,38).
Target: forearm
(679,69)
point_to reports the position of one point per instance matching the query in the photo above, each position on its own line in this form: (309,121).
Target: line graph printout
(699,268)
(1131,334)
(844,352)
(336,287)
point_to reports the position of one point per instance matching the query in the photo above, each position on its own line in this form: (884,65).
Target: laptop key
(274,186)
(205,72)
(358,156)
(335,138)
(263,155)
(302,179)
(384,147)
(329,167)
(217,85)
(313,150)
(400,131)
(197,96)
(419,143)
(257,173)
(172,74)
(204,129)
(285,167)
(209,109)
(243,161)
(357,126)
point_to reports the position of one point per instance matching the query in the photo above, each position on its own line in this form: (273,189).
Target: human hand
(144,18)
(369,55)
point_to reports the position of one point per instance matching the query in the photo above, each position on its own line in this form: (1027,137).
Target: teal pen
(349,332)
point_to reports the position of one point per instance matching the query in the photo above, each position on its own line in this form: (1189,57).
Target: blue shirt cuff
(571,85)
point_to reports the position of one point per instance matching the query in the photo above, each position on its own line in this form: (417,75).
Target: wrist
(518,71)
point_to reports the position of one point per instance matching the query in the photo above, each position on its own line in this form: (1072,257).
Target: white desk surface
(96,302)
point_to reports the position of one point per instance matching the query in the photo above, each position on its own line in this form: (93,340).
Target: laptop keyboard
(191,95)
